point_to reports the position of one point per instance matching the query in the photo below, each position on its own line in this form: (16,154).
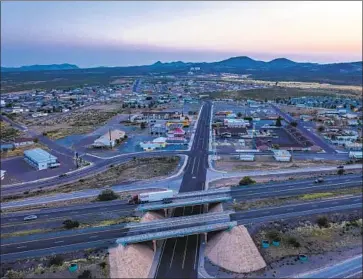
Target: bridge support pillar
(166,212)
(154,245)
(206,237)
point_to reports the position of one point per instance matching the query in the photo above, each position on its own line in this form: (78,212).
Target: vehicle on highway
(30,217)
(151,197)
(340,167)
(319,180)
(167,200)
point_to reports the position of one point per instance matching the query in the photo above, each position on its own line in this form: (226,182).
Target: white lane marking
(193,165)
(354,274)
(60,241)
(185,252)
(21,247)
(93,236)
(172,255)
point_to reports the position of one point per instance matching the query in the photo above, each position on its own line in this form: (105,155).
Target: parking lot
(17,170)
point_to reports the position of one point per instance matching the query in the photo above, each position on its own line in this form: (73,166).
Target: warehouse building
(40,159)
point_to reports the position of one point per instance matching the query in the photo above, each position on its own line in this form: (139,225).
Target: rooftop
(39,155)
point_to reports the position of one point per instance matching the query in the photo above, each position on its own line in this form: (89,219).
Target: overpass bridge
(177,227)
(181,202)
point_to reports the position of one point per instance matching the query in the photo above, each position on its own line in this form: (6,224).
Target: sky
(121,33)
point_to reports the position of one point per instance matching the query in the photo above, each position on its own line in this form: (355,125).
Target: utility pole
(109,132)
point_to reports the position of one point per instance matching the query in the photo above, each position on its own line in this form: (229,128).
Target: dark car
(340,167)
(319,180)
(167,200)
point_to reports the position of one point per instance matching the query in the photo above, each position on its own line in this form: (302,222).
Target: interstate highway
(268,190)
(110,234)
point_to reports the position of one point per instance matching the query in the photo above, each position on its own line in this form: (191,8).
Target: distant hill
(280,69)
(52,67)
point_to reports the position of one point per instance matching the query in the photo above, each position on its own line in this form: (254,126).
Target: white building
(40,159)
(2,103)
(109,139)
(282,155)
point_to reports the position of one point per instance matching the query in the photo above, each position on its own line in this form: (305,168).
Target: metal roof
(39,155)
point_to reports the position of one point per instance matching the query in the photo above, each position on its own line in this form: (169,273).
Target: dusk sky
(101,33)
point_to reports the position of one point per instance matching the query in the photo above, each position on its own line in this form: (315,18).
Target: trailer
(166,196)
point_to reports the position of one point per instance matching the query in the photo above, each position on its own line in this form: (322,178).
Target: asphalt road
(183,252)
(265,190)
(12,248)
(310,135)
(351,268)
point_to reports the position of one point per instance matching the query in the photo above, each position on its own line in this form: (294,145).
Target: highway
(179,256)
(351,268)
(185,247)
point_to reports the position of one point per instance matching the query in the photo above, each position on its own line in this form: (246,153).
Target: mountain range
(52,67)
(275,70)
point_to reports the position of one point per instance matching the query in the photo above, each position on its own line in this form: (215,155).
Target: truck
(164,196)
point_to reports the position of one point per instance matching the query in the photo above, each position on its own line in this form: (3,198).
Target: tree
(70,224)
(107,195)
(246,181)
(340,171)
(9,105)
(36,140)
(142,125)
(278,122)
(239,114)
(293,123)
(321,129)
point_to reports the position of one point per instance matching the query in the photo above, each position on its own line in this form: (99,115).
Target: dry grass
(313,239)
(19,151)
(245,205)
(133,170)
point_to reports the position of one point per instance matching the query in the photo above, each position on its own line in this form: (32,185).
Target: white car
(30,217)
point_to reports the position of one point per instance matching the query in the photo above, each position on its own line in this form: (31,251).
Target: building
(159,142)
(282,155)
(40,159)
(356,154)
(2,174)
(235,122)
(109,139)
(231,131)
(23,142)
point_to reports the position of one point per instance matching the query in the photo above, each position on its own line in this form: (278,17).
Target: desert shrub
(293,242)
(107,195)
(56,260)
(246,181)
(70,224)
(323,222)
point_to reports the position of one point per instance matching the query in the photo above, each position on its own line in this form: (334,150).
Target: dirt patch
(137,169)
(234,250)
(8,133)
(309,238)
